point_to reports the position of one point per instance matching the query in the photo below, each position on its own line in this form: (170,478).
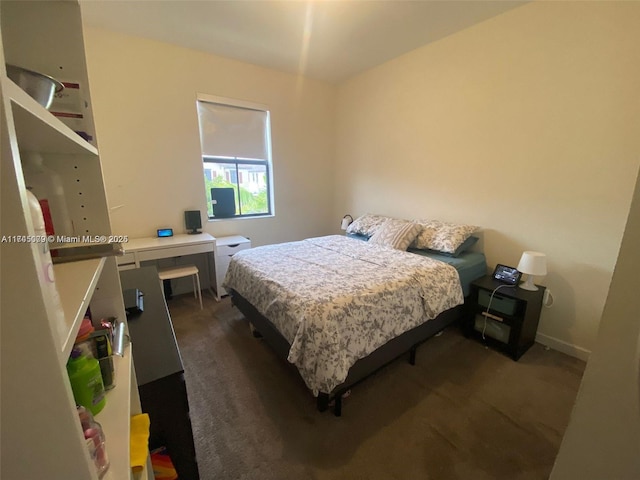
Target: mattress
(470,265)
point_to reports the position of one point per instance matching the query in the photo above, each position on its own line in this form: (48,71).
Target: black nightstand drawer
(501,304)
(490,327)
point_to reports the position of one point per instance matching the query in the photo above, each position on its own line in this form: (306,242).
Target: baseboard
(564,347)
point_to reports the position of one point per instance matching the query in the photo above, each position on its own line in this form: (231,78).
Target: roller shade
(235,132)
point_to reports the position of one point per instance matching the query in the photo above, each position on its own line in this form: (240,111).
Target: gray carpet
(462,412)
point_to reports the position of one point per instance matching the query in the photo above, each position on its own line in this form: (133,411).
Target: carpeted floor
(462,412)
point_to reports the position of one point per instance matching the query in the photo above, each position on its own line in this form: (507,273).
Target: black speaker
(192,221)
(224,202)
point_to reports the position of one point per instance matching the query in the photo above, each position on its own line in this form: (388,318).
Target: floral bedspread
(337,299)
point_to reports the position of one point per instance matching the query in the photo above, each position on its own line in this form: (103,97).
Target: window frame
(212,159)
(239,161)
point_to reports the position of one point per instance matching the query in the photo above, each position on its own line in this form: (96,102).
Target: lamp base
(528,284)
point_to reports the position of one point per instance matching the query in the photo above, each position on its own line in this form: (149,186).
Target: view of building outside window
(248,180)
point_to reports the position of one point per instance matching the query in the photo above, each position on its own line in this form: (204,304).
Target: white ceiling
(325,40)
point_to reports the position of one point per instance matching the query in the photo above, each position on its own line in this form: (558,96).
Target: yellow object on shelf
(139,443)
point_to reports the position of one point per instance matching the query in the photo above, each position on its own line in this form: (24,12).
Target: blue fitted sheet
(470,265)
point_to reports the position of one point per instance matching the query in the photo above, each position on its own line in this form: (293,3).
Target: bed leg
(412,355)
(254,332)
(322,402)
(337,406)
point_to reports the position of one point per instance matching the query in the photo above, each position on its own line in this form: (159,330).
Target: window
(236,157)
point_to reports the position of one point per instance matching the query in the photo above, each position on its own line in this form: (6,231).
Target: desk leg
(168,291)
(209,255)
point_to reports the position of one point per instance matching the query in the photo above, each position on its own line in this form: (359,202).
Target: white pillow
(442,236)
(396,233)
(366,224)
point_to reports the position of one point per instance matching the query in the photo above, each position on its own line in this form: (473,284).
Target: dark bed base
(407,342)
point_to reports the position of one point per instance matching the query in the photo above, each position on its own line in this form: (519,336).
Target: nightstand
(224,249)
(511,322)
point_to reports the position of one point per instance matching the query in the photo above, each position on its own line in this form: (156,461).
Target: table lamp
(533,264)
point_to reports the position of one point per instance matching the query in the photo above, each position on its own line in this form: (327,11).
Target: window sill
(253,217)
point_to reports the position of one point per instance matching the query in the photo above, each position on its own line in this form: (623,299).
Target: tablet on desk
(165,232)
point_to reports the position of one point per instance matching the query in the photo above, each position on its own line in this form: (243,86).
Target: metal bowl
(39,86)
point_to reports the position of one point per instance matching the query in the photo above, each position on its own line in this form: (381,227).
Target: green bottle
(86,381)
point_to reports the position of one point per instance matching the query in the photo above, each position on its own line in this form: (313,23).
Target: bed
(339,308)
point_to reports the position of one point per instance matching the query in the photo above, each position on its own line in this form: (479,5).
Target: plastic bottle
(86,380)
(94,436)
(47,186)
(47,278)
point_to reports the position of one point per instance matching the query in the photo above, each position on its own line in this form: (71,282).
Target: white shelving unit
(40,430)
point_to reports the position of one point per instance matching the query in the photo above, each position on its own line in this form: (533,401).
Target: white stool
(183,271)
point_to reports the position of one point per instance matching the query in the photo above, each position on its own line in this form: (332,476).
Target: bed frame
(408,342)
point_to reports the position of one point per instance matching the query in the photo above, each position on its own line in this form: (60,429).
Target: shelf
(38,130)
(48,37)
(75,282)
(115,419)
(73,252)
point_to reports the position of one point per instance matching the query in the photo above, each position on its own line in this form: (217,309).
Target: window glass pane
(218,175)
(253,189)
(248,181)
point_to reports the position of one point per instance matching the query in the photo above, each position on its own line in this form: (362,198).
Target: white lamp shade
(533,263)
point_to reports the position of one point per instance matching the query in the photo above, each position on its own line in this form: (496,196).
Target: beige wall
(526,125)
(144,102)
(603,437)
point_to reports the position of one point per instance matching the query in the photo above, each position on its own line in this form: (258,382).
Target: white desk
(139,250)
